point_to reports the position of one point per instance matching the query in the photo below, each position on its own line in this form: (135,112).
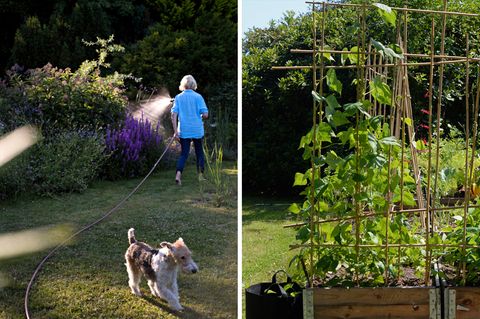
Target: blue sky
(259,12)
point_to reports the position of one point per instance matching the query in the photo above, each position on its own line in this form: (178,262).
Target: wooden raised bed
(463,302)
(400,303)
(372,303)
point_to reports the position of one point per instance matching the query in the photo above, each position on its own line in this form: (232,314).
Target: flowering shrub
(61,99)
(72,110)
(133,148)
(68,162)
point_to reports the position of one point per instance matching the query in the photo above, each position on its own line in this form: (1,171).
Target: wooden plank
(372,296)
(371,303)
(467,302)
(372,312)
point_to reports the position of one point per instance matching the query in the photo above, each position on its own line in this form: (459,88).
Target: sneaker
(178,177)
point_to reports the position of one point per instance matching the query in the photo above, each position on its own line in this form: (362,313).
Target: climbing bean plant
(351,176)
(353,233)
(357,175)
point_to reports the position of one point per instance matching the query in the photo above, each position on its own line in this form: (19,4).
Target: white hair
(187,82)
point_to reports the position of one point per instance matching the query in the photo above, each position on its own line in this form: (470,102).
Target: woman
(188,111)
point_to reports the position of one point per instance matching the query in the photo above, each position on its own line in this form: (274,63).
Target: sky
(258,13)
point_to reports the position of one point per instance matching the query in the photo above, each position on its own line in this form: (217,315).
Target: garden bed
(464,302)
(392,302)
(363,303)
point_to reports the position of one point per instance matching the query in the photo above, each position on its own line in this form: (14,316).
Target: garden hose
(40,265)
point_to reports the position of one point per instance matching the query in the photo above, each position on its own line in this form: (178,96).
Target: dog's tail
(131,236)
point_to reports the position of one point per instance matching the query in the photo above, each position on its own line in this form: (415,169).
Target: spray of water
(154,107)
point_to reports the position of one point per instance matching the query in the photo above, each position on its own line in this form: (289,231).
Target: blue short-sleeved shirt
(189,105)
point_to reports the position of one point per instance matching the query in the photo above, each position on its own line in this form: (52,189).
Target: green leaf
(328,55)
(344,56)
(306,139)
(408,199)
(300,180)
(419,145)
(355,57)
(381,91)
(379,280)
(352,108)
(361,197)
(407,179)
(390,140)
(367,105)
(269,292)
(332,104)
(294,209)
(324,132)
(387,52)
(407,121)
(303,234)
(321,187)
(396,48)
(333,160)
(376,160)
(376,121)
(358,177)
(317,97)
(333,83)
(373,237)
(347,136)
(339,119)
(388,15)
(372,140)
(323,206)
(379,201)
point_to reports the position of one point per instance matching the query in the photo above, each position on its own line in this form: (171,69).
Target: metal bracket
(307,297)
(434,304)
(450,297)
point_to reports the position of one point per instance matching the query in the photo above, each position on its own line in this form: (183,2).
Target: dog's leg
(151,284)
(169,296)
(134,277)
(175,289)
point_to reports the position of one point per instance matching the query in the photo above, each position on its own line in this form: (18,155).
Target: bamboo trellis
(427,198)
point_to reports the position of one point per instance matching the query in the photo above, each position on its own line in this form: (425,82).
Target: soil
(342,278)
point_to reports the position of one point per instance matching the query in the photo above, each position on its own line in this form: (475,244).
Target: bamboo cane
(444,12)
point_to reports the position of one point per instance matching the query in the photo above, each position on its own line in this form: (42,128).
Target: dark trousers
(185,144)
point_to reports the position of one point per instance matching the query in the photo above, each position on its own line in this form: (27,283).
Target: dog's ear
(166,244)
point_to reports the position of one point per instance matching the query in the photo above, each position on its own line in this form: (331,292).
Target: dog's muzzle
(190,269)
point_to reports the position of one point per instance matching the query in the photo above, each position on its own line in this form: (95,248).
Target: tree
(277,104)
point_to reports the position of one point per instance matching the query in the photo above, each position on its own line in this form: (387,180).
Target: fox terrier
(160,267)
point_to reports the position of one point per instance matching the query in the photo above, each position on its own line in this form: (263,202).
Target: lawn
(88,279)
(265,241)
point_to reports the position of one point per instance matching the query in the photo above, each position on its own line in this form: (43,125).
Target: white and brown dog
(160,267)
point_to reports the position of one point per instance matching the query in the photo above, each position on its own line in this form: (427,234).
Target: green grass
(88,279)
(265,243)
